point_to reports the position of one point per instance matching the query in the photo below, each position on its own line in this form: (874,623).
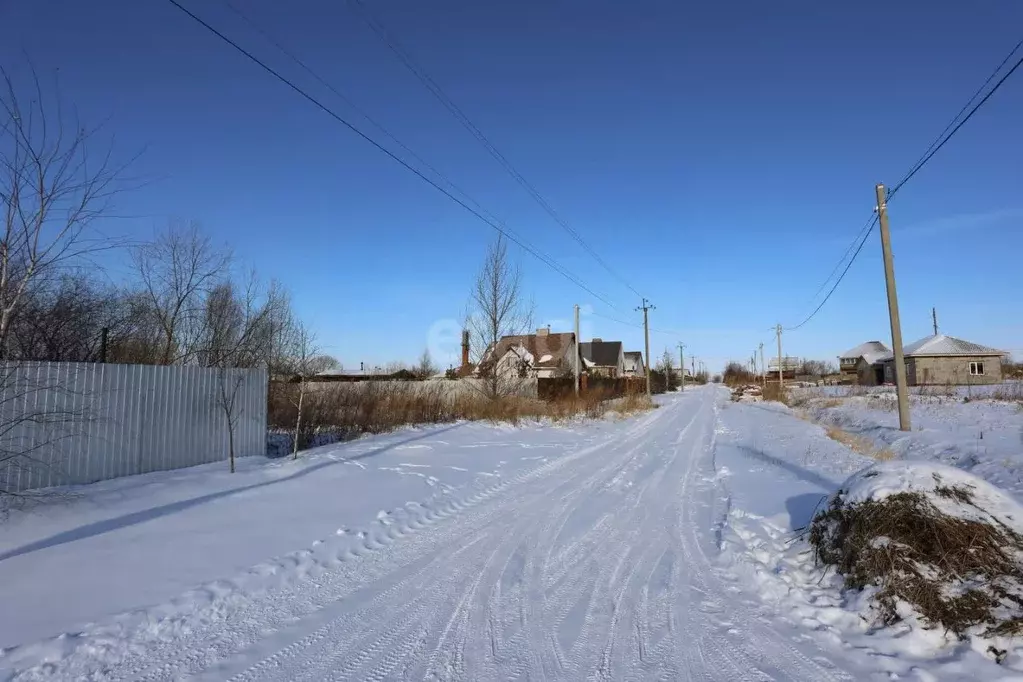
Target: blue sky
(720,155)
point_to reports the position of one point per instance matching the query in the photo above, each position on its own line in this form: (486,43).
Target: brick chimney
(543,331)
(465,348)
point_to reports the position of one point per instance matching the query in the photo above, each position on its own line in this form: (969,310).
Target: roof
(939,344)
(601,353)
(869,348)
(546,350)
(874,358)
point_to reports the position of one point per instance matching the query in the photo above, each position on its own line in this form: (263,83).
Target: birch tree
(55,181)
(306,354)
(496,308)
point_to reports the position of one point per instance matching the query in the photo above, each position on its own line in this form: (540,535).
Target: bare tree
(235,336)
(51,189)
(176,271)
(496,309)
(667,367)
(305,354)
(322,363)
(426,368)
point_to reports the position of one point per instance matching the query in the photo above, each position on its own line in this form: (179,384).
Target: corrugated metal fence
(64,423)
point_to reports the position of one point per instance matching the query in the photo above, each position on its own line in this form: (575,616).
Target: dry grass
(347,410)
(956,573)
(776,393)
(858,444)
(1011,391)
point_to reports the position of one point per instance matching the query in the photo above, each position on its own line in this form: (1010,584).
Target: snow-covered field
(979,435)
(662,546)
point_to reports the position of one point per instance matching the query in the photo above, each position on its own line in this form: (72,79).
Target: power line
(863,240)
(638,325)
(447,181)
(845,255)
(430,84)
(330,112)
(951,129)
(939,142)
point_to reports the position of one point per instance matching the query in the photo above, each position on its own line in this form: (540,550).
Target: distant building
(633,364)
(943,360)
(603,358)
(540,355)
(790,366)
(862,364)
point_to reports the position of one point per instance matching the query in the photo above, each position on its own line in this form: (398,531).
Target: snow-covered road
(655,547)
(600,563)
(596,565)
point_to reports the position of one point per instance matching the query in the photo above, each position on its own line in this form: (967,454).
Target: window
(976,369)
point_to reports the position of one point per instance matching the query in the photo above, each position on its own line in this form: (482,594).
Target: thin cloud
(962,223)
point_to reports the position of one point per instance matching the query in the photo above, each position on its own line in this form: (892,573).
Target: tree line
(183,303)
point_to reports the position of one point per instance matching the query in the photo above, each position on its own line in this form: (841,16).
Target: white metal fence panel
(68,423)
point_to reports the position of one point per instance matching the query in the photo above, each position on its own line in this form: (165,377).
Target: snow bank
(885,479)
(775,472)
(931,546)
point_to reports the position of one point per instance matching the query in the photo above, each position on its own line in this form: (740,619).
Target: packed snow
(661,546)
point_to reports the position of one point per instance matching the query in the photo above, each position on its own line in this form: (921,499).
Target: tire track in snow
(594,564)
(296,653)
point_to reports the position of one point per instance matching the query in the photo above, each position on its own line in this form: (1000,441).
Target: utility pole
(763,367)
(646,331)
(682,363)
(934,318)
(893,309)
(781,374)
(578,354)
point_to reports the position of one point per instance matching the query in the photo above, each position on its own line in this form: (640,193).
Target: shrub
(774,391)
(344,411)
(926,536)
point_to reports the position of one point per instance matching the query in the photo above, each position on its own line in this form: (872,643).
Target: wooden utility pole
(763,367)
(781,372)
(578,351)
(893,309)
(934,318)
(682,363)
(646,331)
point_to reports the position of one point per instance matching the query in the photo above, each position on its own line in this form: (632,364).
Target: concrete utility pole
(578,353)
(893,309)
(763,367)
(781,374)
(646,331)
(934,318)
(682,363)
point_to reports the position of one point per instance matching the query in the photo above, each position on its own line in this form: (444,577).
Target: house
(790,366)
(941,360)
(863,364)
(541,355)
(603,358)
(633,364)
